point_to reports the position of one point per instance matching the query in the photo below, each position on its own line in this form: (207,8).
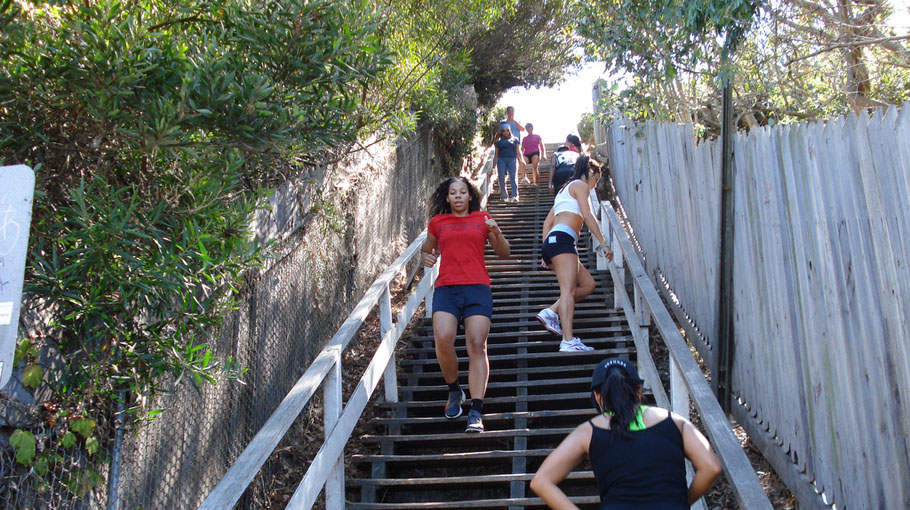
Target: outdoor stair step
(548,344)
(523,415)
(582,368)
(479,503)
(462,480)
(508,384)
(461,436)
(450,457)
(582,396)
(536,330)
(597,354)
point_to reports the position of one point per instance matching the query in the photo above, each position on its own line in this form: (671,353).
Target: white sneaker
(573,345)
(550,320)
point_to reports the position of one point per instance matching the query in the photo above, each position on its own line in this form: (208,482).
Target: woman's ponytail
(621,399)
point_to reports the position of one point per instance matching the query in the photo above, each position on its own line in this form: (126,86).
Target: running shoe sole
(543,323)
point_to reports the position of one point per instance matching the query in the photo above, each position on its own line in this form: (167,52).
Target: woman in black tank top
(637,452)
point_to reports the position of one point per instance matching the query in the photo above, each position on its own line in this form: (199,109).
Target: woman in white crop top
(571,209)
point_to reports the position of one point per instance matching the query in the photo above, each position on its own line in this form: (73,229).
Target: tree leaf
(32,375)
(91,445)
(68,439)
(23,442)
(83,426)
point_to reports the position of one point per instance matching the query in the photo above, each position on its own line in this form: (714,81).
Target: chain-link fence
(329,253)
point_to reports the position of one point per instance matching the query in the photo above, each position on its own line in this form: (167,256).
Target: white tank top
(565,202)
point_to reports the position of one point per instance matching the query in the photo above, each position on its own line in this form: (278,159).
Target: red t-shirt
(462,240)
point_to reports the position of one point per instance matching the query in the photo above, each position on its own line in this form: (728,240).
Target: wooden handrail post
(679,394)
(334,485)
(606,229)
(390,375)
(619,284)
(642,314)
(428,272)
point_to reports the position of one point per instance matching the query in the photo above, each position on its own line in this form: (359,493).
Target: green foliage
(68,439)
(31,376)
(799,60)
(153,128)
(654,39)
(23,442)
(83,426)
(586,128)
(24,350)
(81,482)
(488,125)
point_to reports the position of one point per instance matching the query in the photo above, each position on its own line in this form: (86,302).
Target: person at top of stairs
(571,209)
(533,151)
(458,233)
(506,160)
(637,452)
(564,165)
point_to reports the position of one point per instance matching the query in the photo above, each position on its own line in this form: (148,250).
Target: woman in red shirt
(458,233)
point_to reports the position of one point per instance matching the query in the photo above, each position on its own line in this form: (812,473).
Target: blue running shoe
(453,406)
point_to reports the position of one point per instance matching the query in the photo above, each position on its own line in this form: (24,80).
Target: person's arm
(580,191)
(519,126)
(495,154)
(558,465)
(429,250)
(519,159)
(707,466)
(543,149)
(498,241)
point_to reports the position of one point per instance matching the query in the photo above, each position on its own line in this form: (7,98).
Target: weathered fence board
(822,358)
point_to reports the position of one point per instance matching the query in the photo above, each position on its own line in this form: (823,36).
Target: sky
(555,111)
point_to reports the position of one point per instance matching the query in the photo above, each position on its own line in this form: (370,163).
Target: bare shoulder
(680,421)
(654,415)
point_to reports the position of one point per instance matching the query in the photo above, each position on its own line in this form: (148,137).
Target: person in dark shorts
(564,165)
(457,234)
(533,151)
(571,209)
(637,452)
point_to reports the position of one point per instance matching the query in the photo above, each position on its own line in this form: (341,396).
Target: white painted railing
(687,382)
(327,468)
(486,184)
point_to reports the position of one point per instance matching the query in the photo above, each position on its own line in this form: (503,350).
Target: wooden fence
(822,321)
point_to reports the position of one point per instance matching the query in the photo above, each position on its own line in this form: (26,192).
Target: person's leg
(476,330)
(445,327)
(512,178)
(501,169)
(535,160)
(566,267)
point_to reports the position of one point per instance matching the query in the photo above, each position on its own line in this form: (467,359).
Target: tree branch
(850,44)
(176,21)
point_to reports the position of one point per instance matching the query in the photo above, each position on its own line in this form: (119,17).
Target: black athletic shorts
(555,244)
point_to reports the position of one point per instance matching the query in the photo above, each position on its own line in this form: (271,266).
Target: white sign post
(17,188)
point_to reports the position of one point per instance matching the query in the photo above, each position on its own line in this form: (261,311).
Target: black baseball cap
(600,372)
